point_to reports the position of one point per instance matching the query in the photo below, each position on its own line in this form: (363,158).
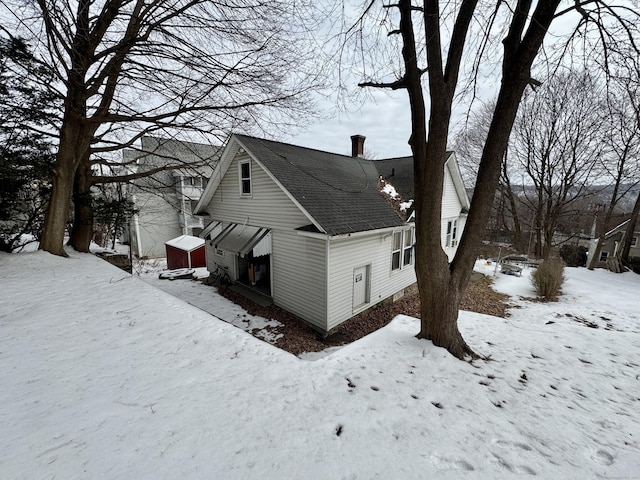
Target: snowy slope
(107,377)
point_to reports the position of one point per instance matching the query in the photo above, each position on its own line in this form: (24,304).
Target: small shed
(185,251)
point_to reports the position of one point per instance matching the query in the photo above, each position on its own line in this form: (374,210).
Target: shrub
(548,277)
(574,255)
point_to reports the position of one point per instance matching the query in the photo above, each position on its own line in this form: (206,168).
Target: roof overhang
(239,239)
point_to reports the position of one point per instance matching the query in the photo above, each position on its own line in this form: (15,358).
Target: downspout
(326,280)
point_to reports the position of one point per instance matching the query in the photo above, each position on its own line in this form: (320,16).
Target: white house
(165,199)
(313,230)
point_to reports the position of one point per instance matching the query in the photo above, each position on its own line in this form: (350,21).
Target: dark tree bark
(72,144)
(187,65)
(82,231)
(439,283)
(631,227)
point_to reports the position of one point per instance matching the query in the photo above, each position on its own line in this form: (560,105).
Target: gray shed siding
(353,252)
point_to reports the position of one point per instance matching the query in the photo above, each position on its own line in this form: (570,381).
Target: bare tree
(621,166)
(433,38)
(124,66)
(557,143)
(506,215)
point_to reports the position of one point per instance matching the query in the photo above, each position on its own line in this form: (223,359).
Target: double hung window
(402,249)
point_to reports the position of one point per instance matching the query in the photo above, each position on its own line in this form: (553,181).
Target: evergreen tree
(26,154)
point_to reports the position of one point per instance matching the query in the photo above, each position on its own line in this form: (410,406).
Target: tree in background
(26,154)
(433,38)
(629,81)
(557,144)
(507,216)
(147,65)
(113,209)
(621,166)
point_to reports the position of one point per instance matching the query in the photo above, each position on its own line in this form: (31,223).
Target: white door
(360,286)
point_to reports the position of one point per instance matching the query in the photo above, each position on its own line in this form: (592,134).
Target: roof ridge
(299,146)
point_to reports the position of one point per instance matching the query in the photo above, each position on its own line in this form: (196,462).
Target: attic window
(245,178)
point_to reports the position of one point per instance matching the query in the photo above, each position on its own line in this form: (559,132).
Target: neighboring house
(312,228)
(165,199)
(612,242)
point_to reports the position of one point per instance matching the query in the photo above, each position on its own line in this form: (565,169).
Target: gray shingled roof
(399,173)
(340,192)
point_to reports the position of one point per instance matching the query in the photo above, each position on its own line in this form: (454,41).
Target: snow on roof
(185,242)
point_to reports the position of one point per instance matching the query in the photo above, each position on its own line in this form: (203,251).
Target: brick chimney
(357,145)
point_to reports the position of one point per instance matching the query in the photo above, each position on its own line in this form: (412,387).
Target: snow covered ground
(107,377)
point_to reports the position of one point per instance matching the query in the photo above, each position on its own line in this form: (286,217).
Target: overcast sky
(384,121)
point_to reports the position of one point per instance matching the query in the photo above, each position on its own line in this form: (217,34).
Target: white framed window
(634,242)
(402,249)
(407,248)
(603,256)
(244,172)
(452,233)
(396,249)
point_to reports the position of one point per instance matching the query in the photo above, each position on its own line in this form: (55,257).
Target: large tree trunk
(82,232)
(58,210)
(75,134)
(631,227)
(440,284)
(72,144)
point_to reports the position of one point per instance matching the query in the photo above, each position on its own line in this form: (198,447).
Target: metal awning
(239,239)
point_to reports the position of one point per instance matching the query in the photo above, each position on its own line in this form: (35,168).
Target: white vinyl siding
(350,253)
(452,221)
(451,205)
(267,207)
(402,249)
(299,276)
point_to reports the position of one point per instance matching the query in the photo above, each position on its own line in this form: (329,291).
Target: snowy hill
(106,377)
